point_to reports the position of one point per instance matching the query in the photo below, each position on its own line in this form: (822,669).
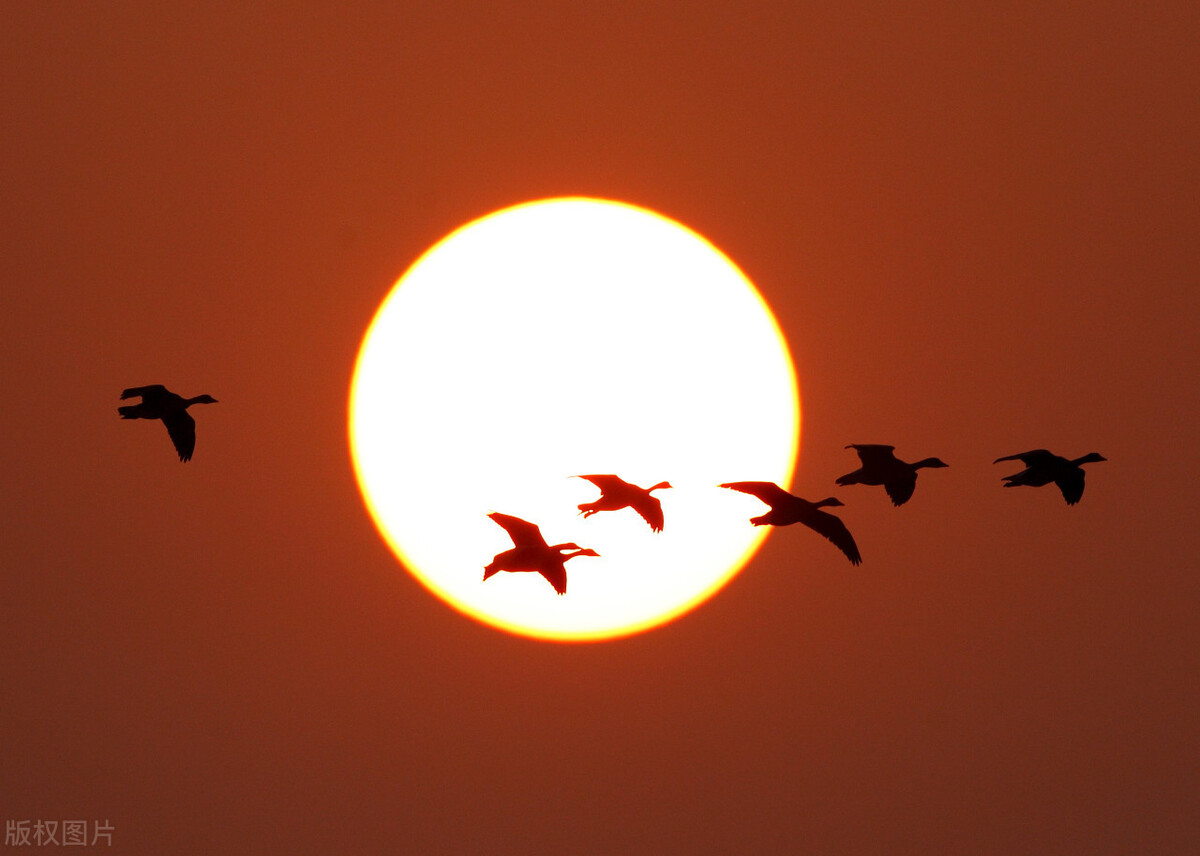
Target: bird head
(204,399)
(829,501)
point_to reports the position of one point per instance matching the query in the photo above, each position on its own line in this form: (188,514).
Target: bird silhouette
(532,553)
(158,402)
(880,466)
(787,509)
(617,493)
(1043,467)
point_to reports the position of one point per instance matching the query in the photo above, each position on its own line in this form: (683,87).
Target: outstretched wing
(651,510)
(835,530)
(873,454)
(768,492)
(1070,482)
(605,482)
(146,392)
(522,532)
(1033,458)
(901,487)
(182,429)
(556,575)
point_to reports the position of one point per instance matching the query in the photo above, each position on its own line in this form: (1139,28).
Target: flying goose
(880,466)
(158,402)
(787,509)
(1043,467)
(532,553)
(617,493)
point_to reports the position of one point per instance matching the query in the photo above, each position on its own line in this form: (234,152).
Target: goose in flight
(1043,467)
(880,466)
(787,509)
(158,402)
(617,493)
(532,553)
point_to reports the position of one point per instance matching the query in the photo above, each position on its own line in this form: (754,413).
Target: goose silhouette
(532,553)
(1043,467)
(880,466)
(158,402)
(787,509)
(616,493)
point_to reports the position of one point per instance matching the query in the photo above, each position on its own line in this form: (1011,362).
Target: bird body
(1043,467)
(881,466)
(616,493)
(158,402)
(531,553)
(787,509)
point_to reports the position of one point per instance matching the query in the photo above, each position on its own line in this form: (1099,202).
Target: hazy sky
(977,224)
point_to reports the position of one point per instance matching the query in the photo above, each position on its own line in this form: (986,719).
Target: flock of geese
(531,552)
(879,466)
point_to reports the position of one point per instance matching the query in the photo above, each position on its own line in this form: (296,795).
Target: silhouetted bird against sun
(158,402)
(617,493)
(787,509)
(1043,467)
(880,466)
(532,553)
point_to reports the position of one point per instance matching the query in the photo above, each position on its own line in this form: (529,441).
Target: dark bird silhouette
(1043,467)
(880,466)
(158,402)
(532,553)
(787,509)
(617,493)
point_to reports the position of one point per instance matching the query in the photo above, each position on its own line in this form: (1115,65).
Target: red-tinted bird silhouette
(787,509)
(880,466)
(532,553)
(158,402)
(1043,467)
(617,493)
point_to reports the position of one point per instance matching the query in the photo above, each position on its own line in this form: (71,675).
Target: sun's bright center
(565,337)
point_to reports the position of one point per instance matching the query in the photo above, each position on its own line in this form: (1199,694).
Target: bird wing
(522,532)
(605,482)
(556,575)
(651,510)
(835,530)
(1070,482)
(901,488)
(873,454)
(768,492)
(1033,458)
(182,429)
(151,391)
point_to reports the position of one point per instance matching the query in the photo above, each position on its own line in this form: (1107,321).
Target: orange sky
(977,226)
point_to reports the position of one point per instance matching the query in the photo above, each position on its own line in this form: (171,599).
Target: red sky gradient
(978,227)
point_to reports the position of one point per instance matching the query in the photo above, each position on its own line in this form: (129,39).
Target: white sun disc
(564,337)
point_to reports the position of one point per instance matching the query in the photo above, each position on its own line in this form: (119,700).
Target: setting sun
(558,338)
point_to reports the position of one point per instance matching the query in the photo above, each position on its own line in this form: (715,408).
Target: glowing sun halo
(564,337)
